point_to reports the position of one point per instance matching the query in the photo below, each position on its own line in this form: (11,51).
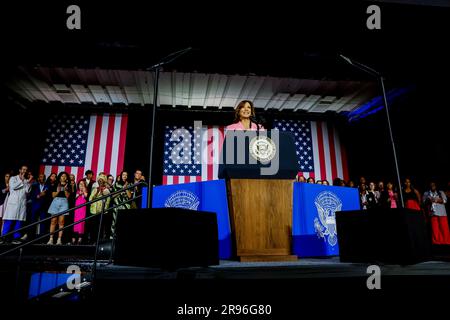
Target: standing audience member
(411,196)
(362,184)
(29,205)
(59,204)
(380,186)
(38,205)
(16,202)
(137,191)
(371,197)
(362,188)
(301,178)
(89,180)
(325,182)
(4,190)
(69,219)
(120,200)
(389,197)
(379,191)
(110,182)
(310,180)
(73,190)
(363,199)
(337,182)
(80,213)
(97,207)
(447,205)
(434,201)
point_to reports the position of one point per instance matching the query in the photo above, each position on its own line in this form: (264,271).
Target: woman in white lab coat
(16,202)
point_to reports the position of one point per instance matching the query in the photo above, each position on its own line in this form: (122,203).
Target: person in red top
(411,196)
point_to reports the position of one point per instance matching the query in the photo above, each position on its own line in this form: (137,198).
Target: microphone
(253,119)
(360,66)
(169,58)
(346,59)
(258,121)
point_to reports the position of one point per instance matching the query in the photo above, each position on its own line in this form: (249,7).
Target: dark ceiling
(264,38)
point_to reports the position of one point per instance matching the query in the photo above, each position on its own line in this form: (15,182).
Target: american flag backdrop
(318,147)
(203,153)
(319,151)
(76,143)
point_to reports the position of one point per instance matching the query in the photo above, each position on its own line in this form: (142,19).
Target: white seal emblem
(327,203)
(262,148)
(182,199)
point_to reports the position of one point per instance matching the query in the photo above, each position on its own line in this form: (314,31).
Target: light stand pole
(156,70)
(376,74)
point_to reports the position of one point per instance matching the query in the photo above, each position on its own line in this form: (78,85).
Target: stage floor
(329,267)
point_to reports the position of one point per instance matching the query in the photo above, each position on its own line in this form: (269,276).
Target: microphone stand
(156,70)
(253,119)
(376,74)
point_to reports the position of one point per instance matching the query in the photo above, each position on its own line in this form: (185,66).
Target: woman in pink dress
(81,198)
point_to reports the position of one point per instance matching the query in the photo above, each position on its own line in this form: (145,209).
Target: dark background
(276,39)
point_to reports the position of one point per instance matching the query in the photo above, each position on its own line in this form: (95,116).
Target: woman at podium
(243,117)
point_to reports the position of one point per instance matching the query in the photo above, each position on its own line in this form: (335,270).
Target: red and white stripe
(211,140)
(105,147)
(330,160)
(181,179)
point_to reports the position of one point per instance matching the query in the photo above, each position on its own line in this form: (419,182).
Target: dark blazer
(34,193)
(2,195)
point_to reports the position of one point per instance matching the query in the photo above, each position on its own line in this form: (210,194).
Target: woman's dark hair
(309,179)
(119,177)
(239,107)
(404,183)
(60,175)
(48,178)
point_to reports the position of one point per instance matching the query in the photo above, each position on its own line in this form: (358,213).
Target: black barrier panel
(397,236)
(166,238)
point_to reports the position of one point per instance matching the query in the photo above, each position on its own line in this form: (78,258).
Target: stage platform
(255,281)
(329,267)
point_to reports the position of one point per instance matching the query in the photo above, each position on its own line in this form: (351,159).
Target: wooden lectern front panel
(261,216)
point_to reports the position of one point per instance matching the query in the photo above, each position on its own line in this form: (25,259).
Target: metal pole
(152,136)
(94,268)
(392,143)
(375,73)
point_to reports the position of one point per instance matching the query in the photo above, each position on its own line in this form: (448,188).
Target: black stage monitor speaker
(395,236)
(167,238)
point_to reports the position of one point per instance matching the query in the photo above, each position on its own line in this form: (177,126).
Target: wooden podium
(261,218)
(260,204)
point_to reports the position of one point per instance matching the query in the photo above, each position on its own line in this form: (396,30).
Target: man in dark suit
(89,180)
(39,205)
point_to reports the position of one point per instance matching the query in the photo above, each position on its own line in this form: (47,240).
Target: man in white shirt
(16,202)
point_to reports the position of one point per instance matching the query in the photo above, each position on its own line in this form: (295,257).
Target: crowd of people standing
(25,200)
(433,202)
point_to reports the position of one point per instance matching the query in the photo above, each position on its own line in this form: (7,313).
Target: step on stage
(288,286)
